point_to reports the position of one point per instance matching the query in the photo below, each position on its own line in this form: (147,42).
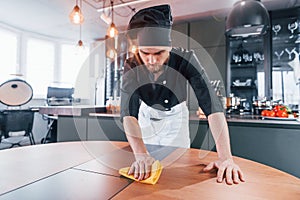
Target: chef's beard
(154,68)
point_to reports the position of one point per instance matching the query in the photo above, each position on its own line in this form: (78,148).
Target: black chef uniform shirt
(170,88)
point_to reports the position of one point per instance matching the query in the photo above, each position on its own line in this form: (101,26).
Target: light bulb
(80,48)
(76,15)
(80,43)
(112,31)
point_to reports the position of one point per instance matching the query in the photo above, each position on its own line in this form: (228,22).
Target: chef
(154,93)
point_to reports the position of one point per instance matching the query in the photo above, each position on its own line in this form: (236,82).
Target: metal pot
(232,101)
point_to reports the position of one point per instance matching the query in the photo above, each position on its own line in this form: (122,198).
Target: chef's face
(154,57)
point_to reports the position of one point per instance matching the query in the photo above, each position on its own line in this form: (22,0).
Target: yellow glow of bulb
(112,31)
(76,16)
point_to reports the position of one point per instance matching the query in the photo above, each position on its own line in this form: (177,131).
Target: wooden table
(89,170)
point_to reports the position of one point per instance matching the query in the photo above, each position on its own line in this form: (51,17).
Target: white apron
(167,128)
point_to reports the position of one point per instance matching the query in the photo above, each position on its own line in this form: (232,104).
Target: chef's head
(151,29)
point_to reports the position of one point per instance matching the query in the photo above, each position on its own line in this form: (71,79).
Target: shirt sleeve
(130,98)
(207,98)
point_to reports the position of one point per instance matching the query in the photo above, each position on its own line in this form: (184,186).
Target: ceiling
(50,17)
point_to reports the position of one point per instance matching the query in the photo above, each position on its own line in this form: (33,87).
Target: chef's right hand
(141,168)
(200,113)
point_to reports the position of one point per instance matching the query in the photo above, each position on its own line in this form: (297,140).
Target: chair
(19,122)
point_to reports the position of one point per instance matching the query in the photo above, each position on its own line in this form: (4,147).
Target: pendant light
(247,18)
(80,46)
(76,16)
(112,30)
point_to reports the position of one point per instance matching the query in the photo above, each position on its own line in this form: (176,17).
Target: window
(71,62)
(8,52)
(261,85)
(285,88)
(41,61)
(40,65)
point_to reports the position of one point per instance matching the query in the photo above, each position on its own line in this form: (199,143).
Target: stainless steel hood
(247,18)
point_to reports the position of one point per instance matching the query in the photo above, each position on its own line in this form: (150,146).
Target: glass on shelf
(236,58)
(276,28)
(247,58)
(292,27)
(241,56)
(258,56)
(291,52)
(279,54)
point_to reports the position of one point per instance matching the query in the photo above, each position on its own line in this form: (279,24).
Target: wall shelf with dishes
(246,59)
(285,52)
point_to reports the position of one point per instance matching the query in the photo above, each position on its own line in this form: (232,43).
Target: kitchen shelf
(243,87)
(243,65)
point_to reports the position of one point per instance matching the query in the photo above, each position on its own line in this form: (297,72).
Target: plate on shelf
(280,118)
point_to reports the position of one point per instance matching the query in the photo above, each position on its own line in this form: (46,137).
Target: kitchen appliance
(235,104)
(247,18)
(16,123)
(58,96)
(15,92)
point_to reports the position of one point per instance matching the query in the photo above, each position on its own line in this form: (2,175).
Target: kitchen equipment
(16,123)
(58,96)
(232,101)
(235,104)
(259,105)
(15,92)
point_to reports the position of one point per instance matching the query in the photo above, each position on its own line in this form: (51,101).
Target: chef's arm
(141,168)
(134,135)
(225,164)
(219,129)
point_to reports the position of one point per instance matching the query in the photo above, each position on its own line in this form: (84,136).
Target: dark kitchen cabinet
(271,61)
(247,70)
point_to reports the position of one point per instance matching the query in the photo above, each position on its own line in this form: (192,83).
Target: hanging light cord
(80,24)
(112,10)
(80,30)
(132,10)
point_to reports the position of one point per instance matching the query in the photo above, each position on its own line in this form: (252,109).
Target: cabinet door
(276,147)
(200,135)
(105,129)
(71,129)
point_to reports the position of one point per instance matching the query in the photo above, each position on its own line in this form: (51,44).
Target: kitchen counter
(256,121)
(96,111)
(253,120)
(80,110)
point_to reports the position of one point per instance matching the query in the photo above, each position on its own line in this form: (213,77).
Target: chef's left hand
(226,169)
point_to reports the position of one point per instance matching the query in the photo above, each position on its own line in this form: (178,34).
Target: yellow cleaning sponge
(155,173)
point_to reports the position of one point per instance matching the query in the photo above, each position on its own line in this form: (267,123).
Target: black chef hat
(151,26)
